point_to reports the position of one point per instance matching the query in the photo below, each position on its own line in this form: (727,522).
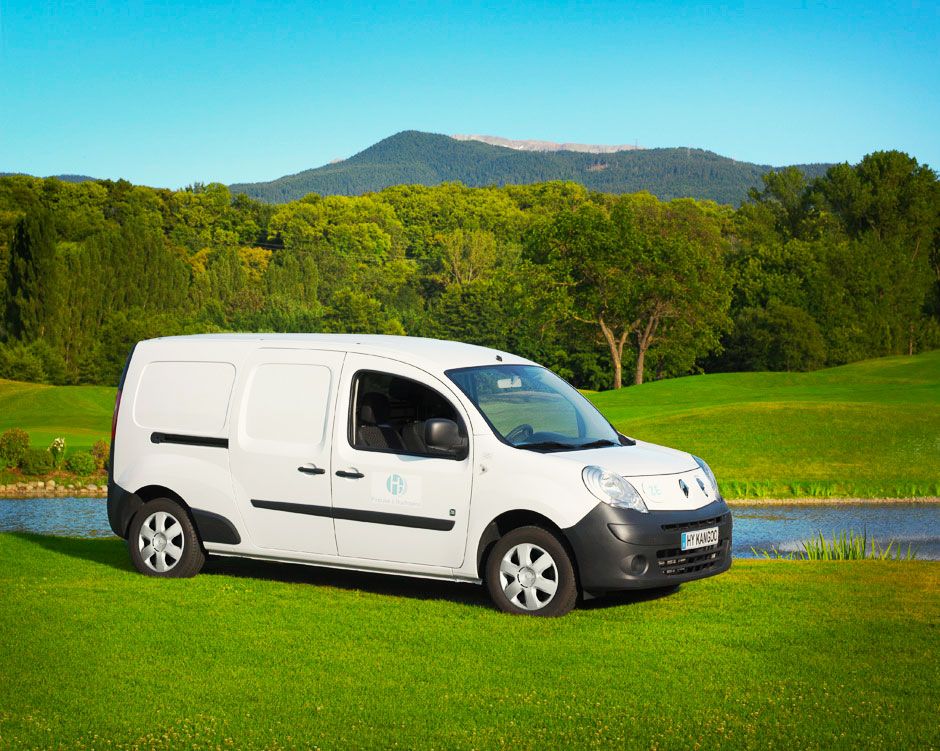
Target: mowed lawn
(770,655)
(866,430)
(80,414)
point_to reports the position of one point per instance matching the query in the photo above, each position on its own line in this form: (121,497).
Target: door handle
(311,470)
(354,475)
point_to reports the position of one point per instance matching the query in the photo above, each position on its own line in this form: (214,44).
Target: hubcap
(529,576)
(161,541)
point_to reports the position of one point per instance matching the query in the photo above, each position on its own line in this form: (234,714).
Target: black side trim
(215,528)
(396,520)
(293,508)
(189,440)
(357,515)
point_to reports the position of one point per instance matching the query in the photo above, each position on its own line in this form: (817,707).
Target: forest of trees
(599,287)
(415,158)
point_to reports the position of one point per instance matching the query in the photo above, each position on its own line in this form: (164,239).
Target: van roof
(437,354)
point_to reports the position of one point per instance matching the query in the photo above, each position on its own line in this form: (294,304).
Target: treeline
(805,274)
(415,158)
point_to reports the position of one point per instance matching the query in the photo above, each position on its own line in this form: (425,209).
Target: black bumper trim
(122,505)
(634,557)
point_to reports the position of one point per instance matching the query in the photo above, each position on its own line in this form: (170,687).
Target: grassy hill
(870,429)
(253,655)
(866,430)
(413,157)
(80,414)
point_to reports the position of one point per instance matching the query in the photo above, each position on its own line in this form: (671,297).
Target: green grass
(80,414)
(770,655)
(866,430)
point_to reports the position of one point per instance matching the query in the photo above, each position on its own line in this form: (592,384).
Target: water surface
(754,526)
(787,526)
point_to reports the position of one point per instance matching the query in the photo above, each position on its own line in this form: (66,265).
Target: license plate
(700,538)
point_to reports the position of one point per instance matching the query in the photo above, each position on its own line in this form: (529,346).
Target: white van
(400,455)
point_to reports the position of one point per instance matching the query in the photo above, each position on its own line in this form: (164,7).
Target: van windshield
(530,407)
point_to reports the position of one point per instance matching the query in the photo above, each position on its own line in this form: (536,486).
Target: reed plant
(844,546)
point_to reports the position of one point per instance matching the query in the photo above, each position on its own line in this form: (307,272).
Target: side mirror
(442,436)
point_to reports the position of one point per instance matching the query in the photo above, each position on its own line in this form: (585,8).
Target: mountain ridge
(532,144)
(416,157)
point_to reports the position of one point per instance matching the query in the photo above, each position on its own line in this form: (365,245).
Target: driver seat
(373,429)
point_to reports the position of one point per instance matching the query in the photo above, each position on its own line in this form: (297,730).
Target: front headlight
(612,488)
(710,475)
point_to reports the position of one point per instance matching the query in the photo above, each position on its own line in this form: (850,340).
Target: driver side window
(388,413)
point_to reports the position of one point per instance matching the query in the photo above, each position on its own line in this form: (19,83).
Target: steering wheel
(520,433)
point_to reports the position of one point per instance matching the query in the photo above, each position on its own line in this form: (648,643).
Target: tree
(643,272)
(785,195)
(776,337)
(32,289)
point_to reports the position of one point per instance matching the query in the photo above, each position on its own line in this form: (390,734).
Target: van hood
(642,460)
(667,480)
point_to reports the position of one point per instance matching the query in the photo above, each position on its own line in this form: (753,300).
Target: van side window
(389,412)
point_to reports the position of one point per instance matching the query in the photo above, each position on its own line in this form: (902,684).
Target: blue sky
(169,93)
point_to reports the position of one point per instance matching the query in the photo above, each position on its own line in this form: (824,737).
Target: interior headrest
(373,409)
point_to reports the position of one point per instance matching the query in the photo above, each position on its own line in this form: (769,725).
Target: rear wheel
(529,572)
(163,541)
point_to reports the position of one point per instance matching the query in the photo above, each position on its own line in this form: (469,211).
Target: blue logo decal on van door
(396,485)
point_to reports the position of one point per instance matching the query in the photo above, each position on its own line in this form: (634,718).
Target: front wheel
(529,572)
(163,541)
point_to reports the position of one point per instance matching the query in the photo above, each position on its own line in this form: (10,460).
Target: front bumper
(622,549)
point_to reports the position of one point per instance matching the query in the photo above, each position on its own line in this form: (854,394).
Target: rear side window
(288,403)
(184,397)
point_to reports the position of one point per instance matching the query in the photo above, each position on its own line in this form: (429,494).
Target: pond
(754,526)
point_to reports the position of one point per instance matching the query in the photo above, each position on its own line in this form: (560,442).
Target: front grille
(675,562)
(700,524)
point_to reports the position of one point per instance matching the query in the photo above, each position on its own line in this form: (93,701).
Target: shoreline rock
(28,490)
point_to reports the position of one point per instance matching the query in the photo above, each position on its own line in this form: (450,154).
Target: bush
(14,444)
(57,449)
(102,452)
(19,363)
(36,462)
(81,463)
(776,337)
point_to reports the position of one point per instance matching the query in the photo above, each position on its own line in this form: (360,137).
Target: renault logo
(685,488)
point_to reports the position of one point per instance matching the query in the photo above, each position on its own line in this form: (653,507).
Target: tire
(163,529)
(521,581)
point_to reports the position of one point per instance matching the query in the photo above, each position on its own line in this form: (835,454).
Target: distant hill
(413,157)
(63,178)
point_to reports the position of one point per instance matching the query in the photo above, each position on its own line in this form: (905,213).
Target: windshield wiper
(558,445)
(598,444)
(543,445)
